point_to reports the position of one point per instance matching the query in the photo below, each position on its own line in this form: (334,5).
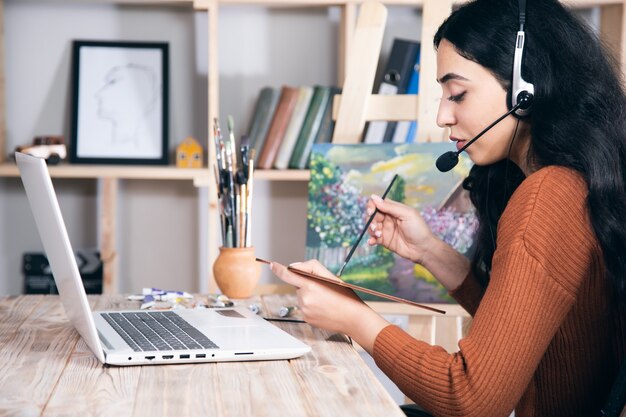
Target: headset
(521,95)
(521,90)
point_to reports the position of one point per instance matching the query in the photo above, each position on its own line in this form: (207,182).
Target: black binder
(395,80)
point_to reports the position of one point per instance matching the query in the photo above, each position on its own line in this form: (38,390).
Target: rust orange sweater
(545,339)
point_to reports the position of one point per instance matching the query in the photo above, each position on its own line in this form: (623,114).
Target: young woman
(547,285)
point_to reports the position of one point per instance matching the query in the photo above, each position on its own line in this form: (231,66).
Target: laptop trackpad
(227,317)
(235,329)
(230,313)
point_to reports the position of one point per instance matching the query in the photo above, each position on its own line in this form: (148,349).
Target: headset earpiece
(522,92)
(525,100)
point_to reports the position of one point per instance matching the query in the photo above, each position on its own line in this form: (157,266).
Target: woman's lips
(458,142)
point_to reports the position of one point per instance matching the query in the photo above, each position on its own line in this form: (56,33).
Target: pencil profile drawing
(128,96)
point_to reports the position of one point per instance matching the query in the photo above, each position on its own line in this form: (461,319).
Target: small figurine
(189,154)
(50,148)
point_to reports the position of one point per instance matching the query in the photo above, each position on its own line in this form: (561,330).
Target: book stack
(287,121)
(400,76)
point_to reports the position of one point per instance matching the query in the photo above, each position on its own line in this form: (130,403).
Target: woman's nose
(445,115)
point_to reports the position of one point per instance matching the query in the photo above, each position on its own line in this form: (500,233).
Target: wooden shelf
(114,171)
(134,2)
(205,4)
(200,177)
(265,175)
(282,175)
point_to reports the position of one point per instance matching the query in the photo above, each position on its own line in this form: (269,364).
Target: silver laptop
(145,337)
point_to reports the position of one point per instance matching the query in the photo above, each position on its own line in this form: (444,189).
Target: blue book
(405,131)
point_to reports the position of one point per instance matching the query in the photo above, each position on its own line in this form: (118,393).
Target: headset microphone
(448,160)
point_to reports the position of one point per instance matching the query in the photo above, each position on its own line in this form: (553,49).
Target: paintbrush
(356,243)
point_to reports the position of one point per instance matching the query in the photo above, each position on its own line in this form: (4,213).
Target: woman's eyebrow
(451,76)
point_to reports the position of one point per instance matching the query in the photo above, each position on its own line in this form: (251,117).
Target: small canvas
(342,179)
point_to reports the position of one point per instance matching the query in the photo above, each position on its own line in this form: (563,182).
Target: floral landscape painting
(342,179)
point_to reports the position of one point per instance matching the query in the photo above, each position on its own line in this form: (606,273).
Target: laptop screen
(47,213)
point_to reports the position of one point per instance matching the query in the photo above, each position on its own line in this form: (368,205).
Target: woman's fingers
(388,207)
(283,273)
(376,224)
(322,304)
(314,267)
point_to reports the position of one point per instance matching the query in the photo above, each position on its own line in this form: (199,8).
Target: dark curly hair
(578,117)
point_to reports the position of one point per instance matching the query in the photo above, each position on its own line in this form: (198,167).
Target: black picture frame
(120,105)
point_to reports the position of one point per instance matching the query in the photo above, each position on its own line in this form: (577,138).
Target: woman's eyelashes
(457,97)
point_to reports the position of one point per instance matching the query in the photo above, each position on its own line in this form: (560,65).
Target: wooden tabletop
(46,369)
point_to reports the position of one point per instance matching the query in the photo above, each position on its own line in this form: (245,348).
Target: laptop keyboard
(157,330)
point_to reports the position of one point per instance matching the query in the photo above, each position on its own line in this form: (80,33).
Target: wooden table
(46,369)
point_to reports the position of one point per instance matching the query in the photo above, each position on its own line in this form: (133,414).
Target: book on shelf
(310,127)
(327,126)
(293,128)
(395,80)
(262,116)
(406,130)
(276,130)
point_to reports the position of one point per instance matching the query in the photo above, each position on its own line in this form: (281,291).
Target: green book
(262,117)
(310,127)
(325,133)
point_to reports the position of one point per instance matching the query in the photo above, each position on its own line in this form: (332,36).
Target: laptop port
(201,355)
(184,356)
(149,357)
(168,356)
(244,353)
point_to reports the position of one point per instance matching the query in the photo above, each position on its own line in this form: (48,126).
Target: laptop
(145,337)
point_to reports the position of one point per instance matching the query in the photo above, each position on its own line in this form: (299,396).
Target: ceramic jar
(236,272)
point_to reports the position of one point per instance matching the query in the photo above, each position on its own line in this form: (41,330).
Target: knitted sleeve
(469,294)
(544,244)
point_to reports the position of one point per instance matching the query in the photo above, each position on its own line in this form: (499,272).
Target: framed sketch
(120,102)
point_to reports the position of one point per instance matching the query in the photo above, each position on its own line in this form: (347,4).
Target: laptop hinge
(105,341)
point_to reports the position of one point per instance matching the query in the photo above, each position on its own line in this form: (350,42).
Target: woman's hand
(331,307)
(399,228)
(402,229)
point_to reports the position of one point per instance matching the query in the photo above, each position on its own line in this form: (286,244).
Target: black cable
(504,194)
(284,320)
(506,166)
